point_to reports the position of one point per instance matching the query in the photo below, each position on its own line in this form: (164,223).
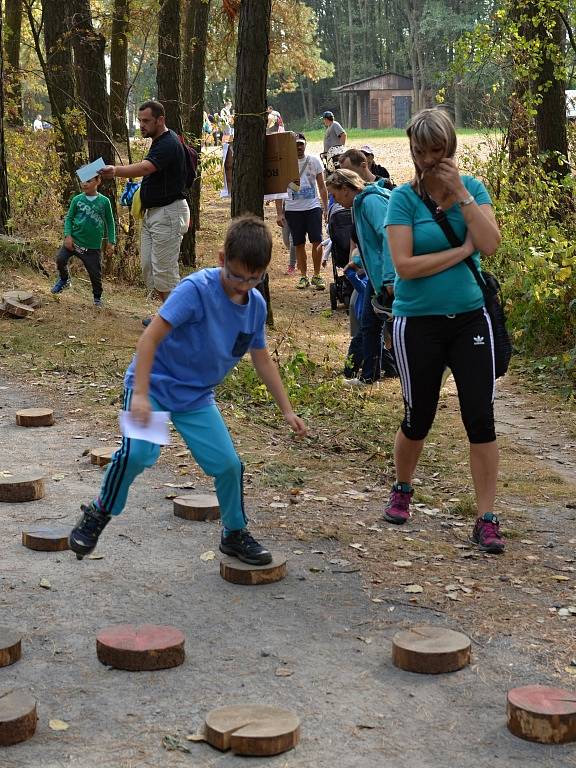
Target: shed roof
(376,82)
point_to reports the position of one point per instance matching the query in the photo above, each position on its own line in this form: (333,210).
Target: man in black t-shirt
(163,198)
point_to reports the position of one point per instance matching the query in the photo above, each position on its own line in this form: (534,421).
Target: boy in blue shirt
(210,320)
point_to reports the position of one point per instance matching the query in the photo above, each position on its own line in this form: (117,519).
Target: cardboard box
(280,162)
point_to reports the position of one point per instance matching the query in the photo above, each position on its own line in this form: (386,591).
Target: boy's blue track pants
(209,442)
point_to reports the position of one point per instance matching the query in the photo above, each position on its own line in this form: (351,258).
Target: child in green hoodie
(88,220)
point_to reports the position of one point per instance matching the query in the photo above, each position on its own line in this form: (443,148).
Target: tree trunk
(13,84)
(304,104)
(89,46)
(551,132)
(252,54)
(58,75)
(119,68)
(168,71)
(195,116)
(4,196)
(187,54)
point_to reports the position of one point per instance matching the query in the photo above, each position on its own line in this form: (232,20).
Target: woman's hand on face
(447,172)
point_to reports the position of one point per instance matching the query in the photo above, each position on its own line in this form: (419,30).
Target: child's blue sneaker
(60,285)
(98,303)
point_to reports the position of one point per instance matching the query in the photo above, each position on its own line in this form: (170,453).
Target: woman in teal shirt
(439,315)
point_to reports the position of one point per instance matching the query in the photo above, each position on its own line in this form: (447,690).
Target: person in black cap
(335,135)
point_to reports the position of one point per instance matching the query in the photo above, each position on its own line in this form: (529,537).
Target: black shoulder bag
(490,288)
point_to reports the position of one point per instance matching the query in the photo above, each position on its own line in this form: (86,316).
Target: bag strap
(303,171)
(439,216)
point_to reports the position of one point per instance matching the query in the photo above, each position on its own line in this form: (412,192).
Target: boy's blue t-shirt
(210,333)
(452,291)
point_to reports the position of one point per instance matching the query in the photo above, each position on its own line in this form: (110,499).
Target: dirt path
(320,624)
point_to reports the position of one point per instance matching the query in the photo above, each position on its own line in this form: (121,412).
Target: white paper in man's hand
(156,431)
(87,172)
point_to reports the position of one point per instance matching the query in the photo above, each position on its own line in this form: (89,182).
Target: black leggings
(91,260)
(424,347)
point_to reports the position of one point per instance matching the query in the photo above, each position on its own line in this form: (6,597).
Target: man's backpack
(191,161)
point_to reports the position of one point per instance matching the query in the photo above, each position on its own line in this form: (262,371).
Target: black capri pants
(424,347)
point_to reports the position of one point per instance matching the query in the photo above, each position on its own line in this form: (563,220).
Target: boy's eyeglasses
(251,281)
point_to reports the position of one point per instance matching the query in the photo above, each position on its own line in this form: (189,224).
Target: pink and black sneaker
(397,510)
(487,534)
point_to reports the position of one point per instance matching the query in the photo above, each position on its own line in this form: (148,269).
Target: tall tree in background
(13,76)
(4,196)
(119,68)
(252,54)
(250,107)
(168,70)
(194,64)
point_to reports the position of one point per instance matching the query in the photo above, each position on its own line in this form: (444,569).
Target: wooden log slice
(17,309)
(237,572)
(17,717)
(430,650)
(10,647)
(35,417)
(252,730)
(140,647)
(101,456)
(21,487)
(23,297)
(543,714)
(44,539)
(197,506)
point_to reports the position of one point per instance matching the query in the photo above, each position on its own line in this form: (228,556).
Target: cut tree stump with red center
(140,647)
(10,646)
(255,730)
(35,417)
(43,539)
(237,572)
(17,717)
(17,308)
(542,714)
(21,486)
(101,456)
(197,506)
(22,297)
(430,650)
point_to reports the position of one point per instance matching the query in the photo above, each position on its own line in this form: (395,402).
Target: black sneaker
(242,545)
(84,536)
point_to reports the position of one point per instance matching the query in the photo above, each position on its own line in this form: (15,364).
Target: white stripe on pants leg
(399,330)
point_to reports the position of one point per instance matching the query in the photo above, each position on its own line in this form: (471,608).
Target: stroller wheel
(333,297)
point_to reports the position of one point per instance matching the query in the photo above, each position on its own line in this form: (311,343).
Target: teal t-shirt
(452,291)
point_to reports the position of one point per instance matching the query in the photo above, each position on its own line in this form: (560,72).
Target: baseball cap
(300,138)
(367,149)
(329,115)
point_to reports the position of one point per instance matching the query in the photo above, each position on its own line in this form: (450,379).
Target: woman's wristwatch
(467,201)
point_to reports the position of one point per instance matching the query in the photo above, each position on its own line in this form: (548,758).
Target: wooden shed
(382,101)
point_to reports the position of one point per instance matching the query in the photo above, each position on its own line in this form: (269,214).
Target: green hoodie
(88,220)
(370,208)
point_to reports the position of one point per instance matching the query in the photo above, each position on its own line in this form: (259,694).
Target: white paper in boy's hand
(87,172)
(156,431)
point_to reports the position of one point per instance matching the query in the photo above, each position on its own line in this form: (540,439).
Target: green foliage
(536,263)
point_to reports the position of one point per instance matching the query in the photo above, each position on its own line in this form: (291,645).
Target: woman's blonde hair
(341,178)
(431,129)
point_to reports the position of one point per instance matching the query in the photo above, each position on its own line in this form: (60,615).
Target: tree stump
(16,308)
(101,456)
(430,650)
(140,647)
(21,487)
(35,417)
(10,647)
(542,714)
(252,730)
(43,539)
(197,506)
(22,297)
(17,717)
(237,572)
